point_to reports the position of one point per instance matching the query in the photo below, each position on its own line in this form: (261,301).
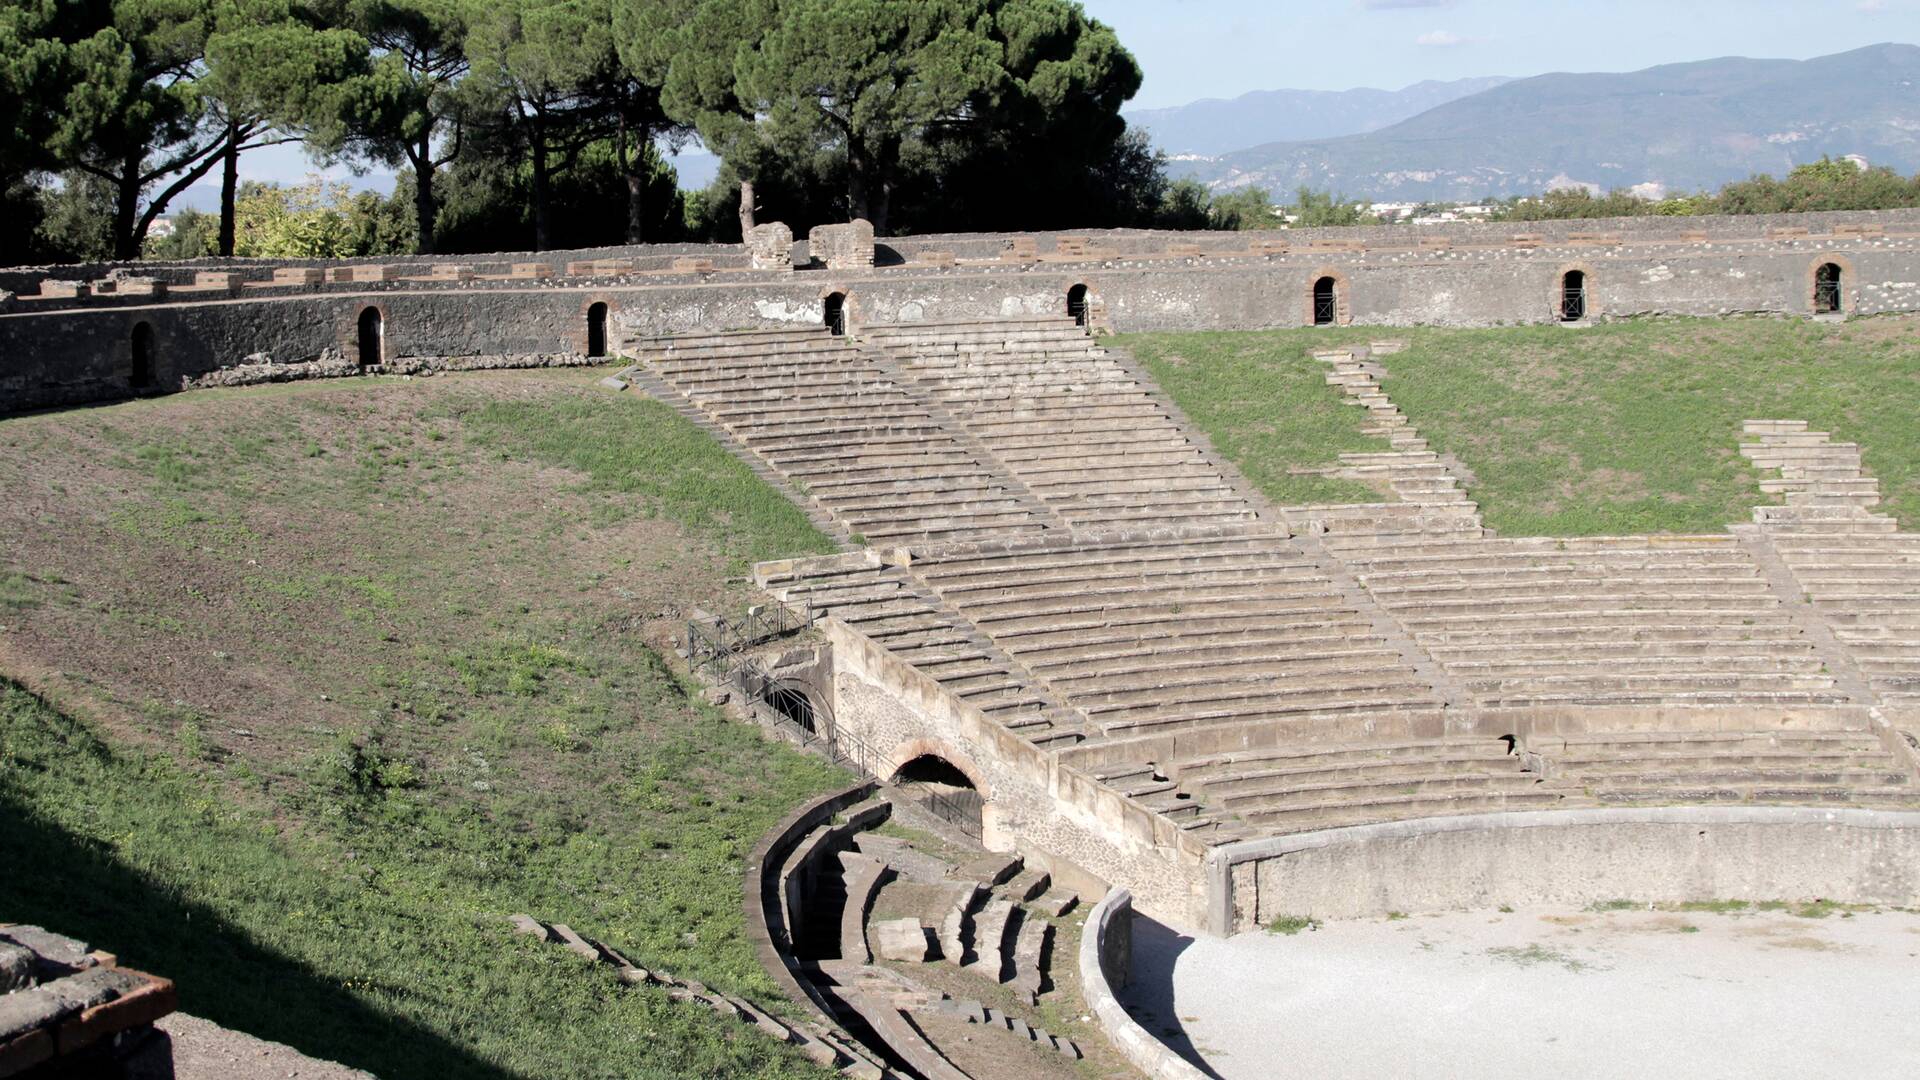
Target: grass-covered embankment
(340,675)
(1625,427)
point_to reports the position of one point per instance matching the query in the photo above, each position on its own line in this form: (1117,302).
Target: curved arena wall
(58,350)
(1576,857)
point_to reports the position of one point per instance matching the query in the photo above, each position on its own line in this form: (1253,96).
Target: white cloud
(1871,7)
(1442,39)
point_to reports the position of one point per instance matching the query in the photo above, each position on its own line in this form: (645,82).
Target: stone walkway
(1543,992)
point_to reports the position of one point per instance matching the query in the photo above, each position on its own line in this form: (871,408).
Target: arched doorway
(1326,302)
(372,337)
(597,329)
(1573,296)
(141,374)
(1077,305)
(1826,289)
(834,313)
(938,785)
(794,707)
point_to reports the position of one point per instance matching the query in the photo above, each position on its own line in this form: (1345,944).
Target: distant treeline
(1820,185)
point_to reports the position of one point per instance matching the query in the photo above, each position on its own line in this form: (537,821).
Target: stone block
(340,273)
(222,280)
(55,289)
(1786,232)
(687,264)
(1435,243)
(902,939)
(452,272)
(612,267)
(16,967)
(1695,236)
(1268,246)
(298,275)
(30,1009)
(770,246)
(51,948)
(1183,247)
(1524,239)
(376,272)
(1020,249)
(843,247)
(144,287)
(1859,230)
(580,268)
(536,270)
(934,258)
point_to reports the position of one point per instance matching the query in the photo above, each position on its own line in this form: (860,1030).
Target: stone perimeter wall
(64,351)
(1576,857)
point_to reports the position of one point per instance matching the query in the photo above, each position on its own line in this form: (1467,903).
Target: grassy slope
(1619,428)
(1266,405)
(366,667)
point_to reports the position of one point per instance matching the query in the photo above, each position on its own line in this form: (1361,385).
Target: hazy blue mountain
(1217,125)
(1684,126)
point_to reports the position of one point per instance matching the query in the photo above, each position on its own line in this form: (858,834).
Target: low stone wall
(1569,857)
(1106,948)
(764,902)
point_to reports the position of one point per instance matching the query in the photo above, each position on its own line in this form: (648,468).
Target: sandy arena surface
(1543,992)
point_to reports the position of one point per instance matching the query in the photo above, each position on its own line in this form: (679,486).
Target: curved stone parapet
(1106,945)
(1664,854)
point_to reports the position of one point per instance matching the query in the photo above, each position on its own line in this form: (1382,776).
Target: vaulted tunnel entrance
(372,336)
(597,330)
(938,785)
(1326,303)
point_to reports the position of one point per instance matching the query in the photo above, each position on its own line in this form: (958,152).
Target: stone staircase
(892,608)
(1086,434)
(1857,571)
(865,449)
(1430,498)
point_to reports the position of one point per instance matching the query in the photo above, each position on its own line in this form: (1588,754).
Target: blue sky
(1193,49)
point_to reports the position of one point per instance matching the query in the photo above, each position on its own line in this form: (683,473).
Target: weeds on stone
(1293,924)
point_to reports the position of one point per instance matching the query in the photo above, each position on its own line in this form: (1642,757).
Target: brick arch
(849,305)
(579,338)
(1342,296)
(909,749)
(1849,283)
(349,329)
(1559,277)
(1096,304)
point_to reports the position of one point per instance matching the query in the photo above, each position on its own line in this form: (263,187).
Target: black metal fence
(959,807)
(714,644)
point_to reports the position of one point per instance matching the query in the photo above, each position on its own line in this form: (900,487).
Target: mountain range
(1679,126)
(1215,125)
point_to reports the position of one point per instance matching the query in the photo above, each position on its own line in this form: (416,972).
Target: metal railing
(712,643)
(1573,304)
(1326,309)
(961,808)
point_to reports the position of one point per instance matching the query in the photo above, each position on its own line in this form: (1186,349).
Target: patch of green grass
(1627,427)
(1714,907)
(637,446)
(1615,905)
(1536,954)
(18,592)
(1293,924)
(1267,407)
(378,937)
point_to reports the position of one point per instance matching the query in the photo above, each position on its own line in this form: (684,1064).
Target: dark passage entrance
(1326,305)
(1826,289)
(597,330)
(940,786)
(372,335)
(1077,305)
(1573,296)
(142,373)
(835,313)
(794,706)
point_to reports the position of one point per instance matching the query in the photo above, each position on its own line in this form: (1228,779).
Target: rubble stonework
(843,247)
(770,247)
(71,1010)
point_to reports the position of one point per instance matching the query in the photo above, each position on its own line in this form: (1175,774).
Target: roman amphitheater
(1156,714)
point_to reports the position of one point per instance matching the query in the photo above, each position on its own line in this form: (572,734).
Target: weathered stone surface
(843,247)
(16,967)
(770,246)
(902,939)
(25,1010)
(50,947)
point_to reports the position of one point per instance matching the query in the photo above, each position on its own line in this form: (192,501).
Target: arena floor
(1543,992)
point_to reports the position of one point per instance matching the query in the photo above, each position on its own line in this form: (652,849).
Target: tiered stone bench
(866,449)
(1175,629)
(1598,620)
(1079,429)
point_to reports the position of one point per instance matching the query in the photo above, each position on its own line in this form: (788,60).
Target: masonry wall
(61,351)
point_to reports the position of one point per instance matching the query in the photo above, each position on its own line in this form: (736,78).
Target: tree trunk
(423,208)
(542,193)
(229,185)
(746,208)
(126,211)
(636,181)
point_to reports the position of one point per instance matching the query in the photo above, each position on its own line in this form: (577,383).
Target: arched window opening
(597,330)
(834,314)
(939,786)
(793,706)
(372,337)
(1077,305)
(1573,296)
(1826,289)
(1326,305)
(141,375)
